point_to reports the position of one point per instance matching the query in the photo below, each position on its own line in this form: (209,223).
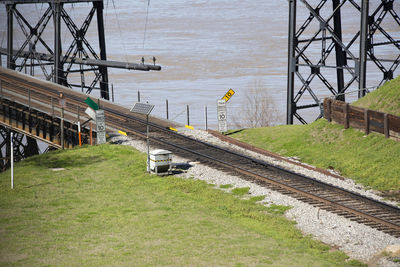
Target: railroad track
(356,207)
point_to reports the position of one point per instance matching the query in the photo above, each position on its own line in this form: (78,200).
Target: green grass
(370,160)
(240,191)
(104,210)
(225,186)
(385,99)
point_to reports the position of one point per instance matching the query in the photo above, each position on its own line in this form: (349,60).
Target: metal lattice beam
(347,68)
(79,53)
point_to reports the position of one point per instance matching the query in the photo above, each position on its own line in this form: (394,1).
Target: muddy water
(205,48)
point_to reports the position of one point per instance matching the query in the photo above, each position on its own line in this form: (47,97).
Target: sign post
(221,113)
(62,104)
(145,109)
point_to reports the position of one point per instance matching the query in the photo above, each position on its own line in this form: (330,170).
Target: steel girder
(304,65)
(79,47)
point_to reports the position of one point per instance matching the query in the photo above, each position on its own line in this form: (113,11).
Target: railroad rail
(351,205)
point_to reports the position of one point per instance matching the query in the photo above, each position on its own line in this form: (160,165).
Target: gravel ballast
(358,241)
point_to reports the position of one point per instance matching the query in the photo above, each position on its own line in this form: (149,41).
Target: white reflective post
(12,160)
(148,145)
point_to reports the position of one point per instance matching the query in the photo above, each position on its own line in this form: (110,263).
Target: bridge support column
(291,62)
(363,48)
(10,21)
(104,90)
(58,67)
(340,54)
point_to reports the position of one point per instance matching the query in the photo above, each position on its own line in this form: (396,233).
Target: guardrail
(361,118)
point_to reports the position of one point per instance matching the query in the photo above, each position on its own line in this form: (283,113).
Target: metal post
(166,106)
(31,52)
(148,146)
(187,115)
(102,43)
(291,62)
(206,115)
(58,68)
(10,16)
(29,98)
(363,48)
(62,127)
(138,96)
(12,160)
(340,54)
(91,134)
(52,106)
(112,92)
(79,133)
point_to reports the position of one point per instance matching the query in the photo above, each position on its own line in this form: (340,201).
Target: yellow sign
(228,95)
(123,133)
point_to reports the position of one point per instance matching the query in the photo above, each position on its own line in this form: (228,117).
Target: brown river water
(204,47)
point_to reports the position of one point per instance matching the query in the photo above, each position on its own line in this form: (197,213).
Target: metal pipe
(290,108)
(138,96)
(87,61)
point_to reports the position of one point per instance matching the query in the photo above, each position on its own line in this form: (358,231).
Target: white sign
(221,113)
(91,113)
(100,127)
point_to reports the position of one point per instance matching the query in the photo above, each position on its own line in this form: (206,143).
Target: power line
(119,29)
(145,25)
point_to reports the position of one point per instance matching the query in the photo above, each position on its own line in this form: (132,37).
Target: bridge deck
(43,96)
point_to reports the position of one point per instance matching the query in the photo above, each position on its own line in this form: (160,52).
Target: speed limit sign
(100,127)
(221,113)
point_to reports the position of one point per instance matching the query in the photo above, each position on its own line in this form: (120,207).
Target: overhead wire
(145,25)
(119,29)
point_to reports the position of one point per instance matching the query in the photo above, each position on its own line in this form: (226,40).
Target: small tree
(258,108)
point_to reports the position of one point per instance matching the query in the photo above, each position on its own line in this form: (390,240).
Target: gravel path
(358,241)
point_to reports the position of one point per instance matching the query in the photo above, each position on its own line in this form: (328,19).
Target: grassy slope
(104,210)
(385,99)
(372,160)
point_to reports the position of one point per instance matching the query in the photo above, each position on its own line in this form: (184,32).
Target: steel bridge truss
(29,125)
(24,146)
(308,71)
(79,47)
